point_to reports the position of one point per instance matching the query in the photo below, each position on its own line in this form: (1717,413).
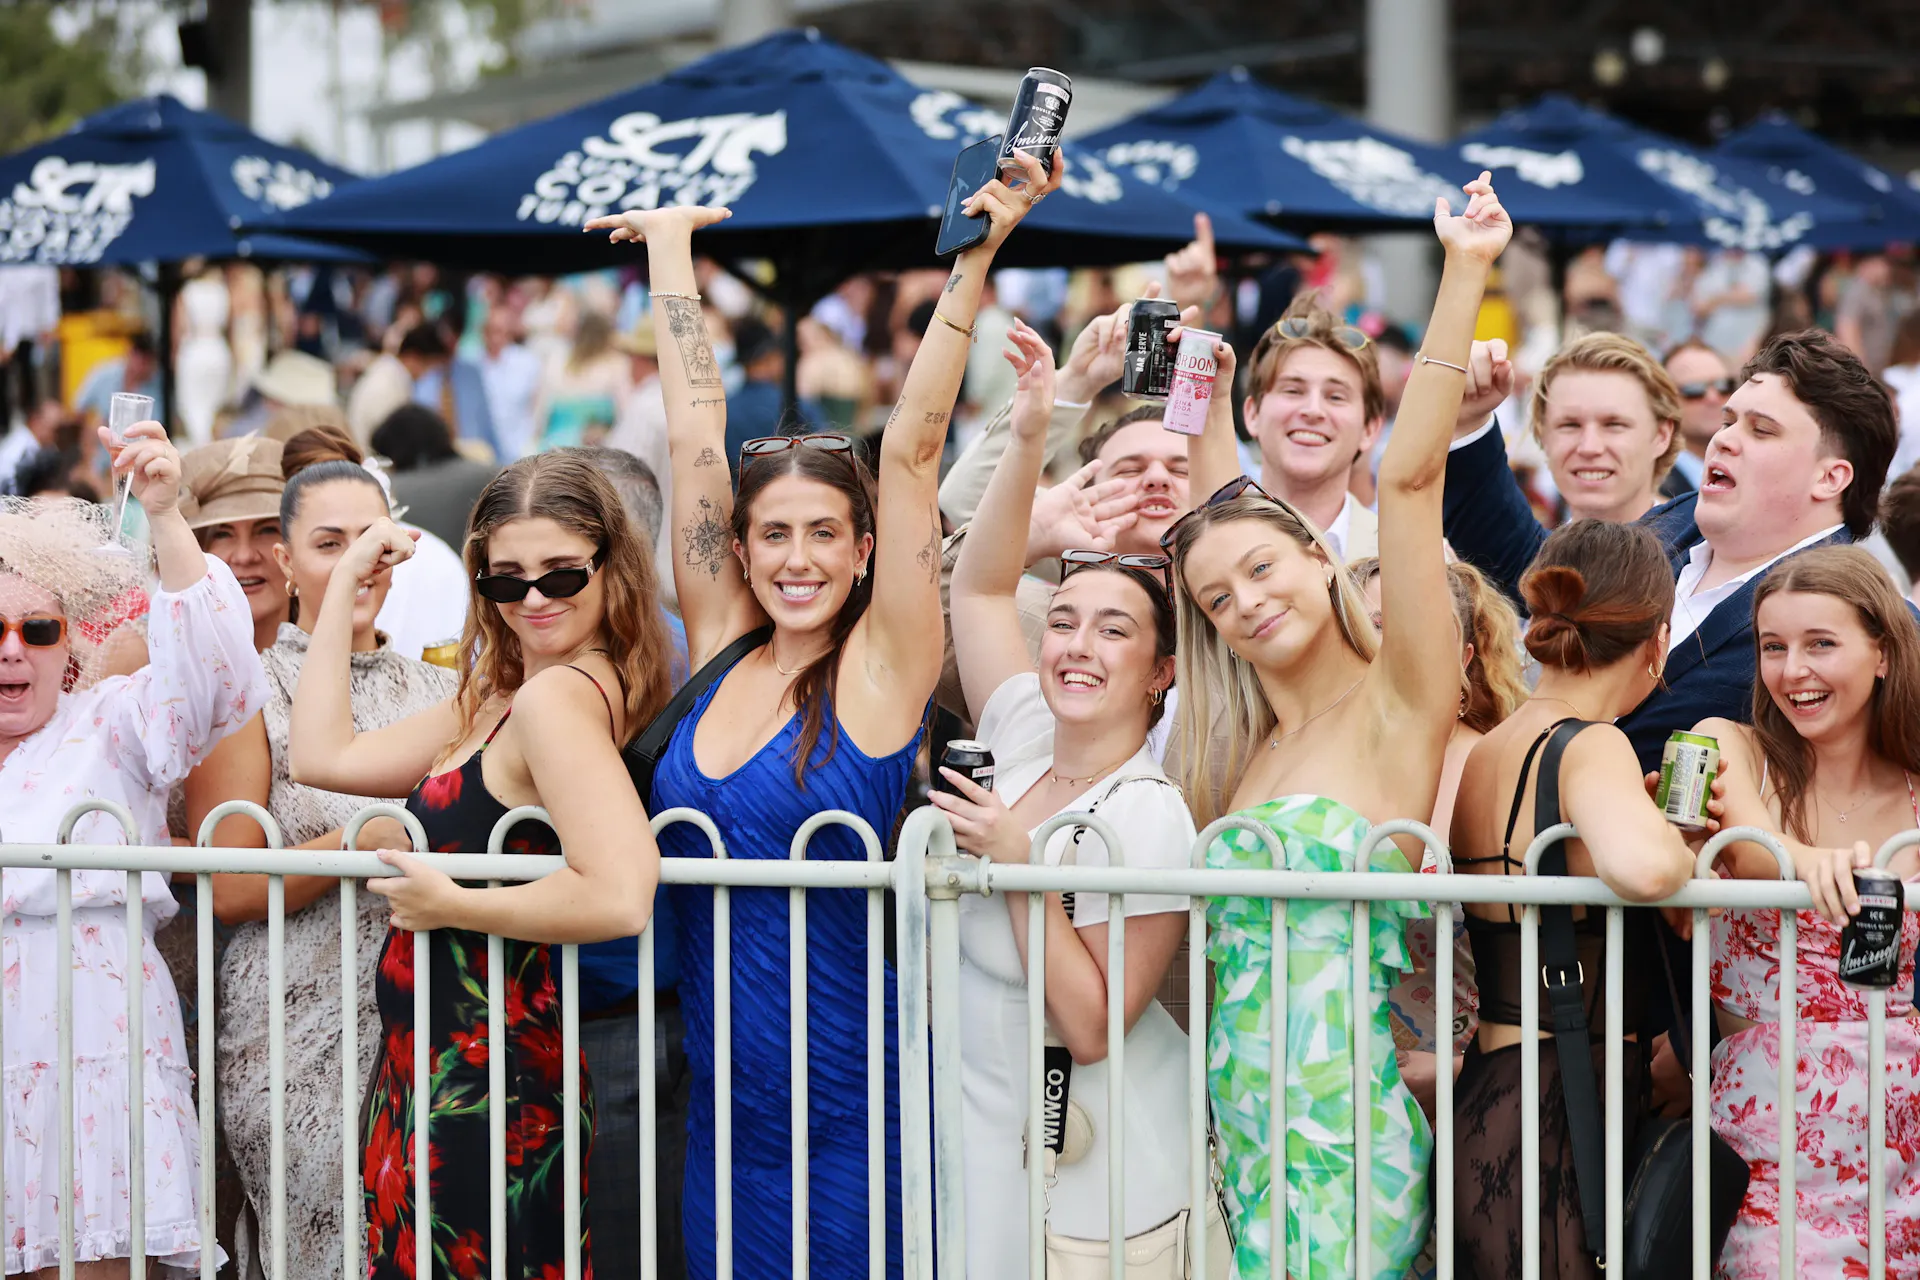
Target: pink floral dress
(1830,1167)
(128,739)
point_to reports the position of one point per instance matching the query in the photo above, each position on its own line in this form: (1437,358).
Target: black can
(970,760)
(1870,943)
(1039,113)
(1148,371)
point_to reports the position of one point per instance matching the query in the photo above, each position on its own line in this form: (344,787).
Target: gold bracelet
(665,293)
(966,332)
(1421,357)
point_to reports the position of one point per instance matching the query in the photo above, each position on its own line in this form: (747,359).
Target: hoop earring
(1156,696)
(746,575)
(1461,714)
(859,575)
(1653,671)
(293,592)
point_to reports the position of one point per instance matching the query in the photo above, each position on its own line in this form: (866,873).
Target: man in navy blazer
(1798,463)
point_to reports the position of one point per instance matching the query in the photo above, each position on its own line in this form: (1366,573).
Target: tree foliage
(50,78)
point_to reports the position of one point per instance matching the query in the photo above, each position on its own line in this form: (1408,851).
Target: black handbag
(1658,1227)
(642,755)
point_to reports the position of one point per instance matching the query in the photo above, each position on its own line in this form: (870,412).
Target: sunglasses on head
(556,584)
(1072,561)
(1297,327)
(35,633)
(1234,488)
(1699,390)
(767,446)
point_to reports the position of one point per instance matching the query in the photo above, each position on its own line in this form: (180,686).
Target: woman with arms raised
(1831,760)
(1599,594)
(67,735)
(564,659)
(826,715)
(1323,741)
(1070,735)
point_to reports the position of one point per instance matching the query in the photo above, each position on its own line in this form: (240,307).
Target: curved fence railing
(929,878)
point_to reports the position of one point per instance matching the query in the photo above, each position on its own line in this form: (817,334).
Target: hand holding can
(1190,393)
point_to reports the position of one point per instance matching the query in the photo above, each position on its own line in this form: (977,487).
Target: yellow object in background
(1496,319)
(86,339)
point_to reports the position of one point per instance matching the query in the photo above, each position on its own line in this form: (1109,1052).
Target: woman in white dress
(1069,736)
(203,367)
(66,738)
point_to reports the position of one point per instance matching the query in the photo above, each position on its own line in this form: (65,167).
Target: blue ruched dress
(758,808)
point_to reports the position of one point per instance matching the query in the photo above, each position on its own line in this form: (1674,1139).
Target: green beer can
(1687,768)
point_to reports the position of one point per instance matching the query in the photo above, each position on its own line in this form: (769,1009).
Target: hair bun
(316,445)
(1555,594)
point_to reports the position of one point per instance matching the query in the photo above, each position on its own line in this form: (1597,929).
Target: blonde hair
(1218,688)
(1275,348)
(1614,353)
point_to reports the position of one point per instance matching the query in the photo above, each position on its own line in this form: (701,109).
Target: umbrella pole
(168,287)
(790,302)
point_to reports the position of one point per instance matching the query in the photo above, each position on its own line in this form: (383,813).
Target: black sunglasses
(1227,492)
(1072,561)
(1698,390)
(767,446)
(36,633)
(557,584)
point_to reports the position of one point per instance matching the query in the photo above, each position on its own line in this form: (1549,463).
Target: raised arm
(1488,520)
(323,749)
(987,640)
(714,599)
(899,662)
(1213,456)
(1412,672)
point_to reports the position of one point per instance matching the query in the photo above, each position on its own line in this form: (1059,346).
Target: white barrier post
(925,839)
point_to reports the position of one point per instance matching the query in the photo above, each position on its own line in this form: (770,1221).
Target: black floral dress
(458,813)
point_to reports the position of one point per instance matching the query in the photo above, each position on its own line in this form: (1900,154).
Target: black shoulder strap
(1563,979)
(645,750)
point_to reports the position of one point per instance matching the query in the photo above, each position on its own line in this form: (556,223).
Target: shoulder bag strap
(1563,978)
(646,749)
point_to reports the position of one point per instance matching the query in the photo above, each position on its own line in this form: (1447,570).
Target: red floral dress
(1831,1092)
(458,813)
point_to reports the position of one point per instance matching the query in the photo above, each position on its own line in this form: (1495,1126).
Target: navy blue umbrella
(1688,196)
(1238,143)
(1892,208)
(153,180)
(831,161)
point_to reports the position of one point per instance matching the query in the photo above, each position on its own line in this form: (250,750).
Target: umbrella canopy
(1892,208)
(1244,145)
(1690,196)
(154,180)
(830,160)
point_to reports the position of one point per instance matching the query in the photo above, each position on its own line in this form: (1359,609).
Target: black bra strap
(1513,814)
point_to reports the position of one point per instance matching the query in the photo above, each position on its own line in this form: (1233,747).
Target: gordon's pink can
(1194,370)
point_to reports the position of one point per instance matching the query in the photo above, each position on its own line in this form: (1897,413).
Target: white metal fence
(929,878)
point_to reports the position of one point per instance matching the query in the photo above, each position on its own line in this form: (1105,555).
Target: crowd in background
(457,539)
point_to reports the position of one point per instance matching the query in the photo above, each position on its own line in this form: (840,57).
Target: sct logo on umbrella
(70,212)
(1549,169)
(1373,173)
(275,184)
(645,162)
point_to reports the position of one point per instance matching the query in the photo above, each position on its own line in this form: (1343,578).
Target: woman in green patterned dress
(1323,741)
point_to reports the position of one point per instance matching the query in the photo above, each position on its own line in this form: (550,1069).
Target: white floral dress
(127,739)
(1830,1095)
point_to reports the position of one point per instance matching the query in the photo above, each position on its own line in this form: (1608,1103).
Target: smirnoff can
(1039,113)
(971,760)
(1148,371)
(1687,768)
(1870,943)
(1192,388)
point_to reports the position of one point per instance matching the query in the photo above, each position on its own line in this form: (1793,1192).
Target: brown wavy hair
(819,680)
(1492,684)
(570,491)
(1853,577)
(1596,591)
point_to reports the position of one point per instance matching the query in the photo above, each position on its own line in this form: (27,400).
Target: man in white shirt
(1315,406)
(1799,460)
(511,374)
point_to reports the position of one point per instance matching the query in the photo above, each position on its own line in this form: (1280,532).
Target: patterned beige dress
(385,688)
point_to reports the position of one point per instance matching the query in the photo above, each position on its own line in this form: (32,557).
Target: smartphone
(973,169)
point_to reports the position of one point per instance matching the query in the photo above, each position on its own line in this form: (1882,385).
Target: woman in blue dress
(827,715)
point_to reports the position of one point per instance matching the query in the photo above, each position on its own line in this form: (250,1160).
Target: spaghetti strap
(498,725)
(612,724)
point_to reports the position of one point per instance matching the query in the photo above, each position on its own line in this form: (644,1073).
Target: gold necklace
(1089,780)
(782,670)
(1541,697)
(1273,744)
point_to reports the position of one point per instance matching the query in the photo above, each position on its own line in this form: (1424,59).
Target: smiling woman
(564,659)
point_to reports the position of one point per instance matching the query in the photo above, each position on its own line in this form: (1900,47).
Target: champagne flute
(125,409)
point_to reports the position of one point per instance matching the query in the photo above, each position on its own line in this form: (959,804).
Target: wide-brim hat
(639,340)
(294,377)
(230,481)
